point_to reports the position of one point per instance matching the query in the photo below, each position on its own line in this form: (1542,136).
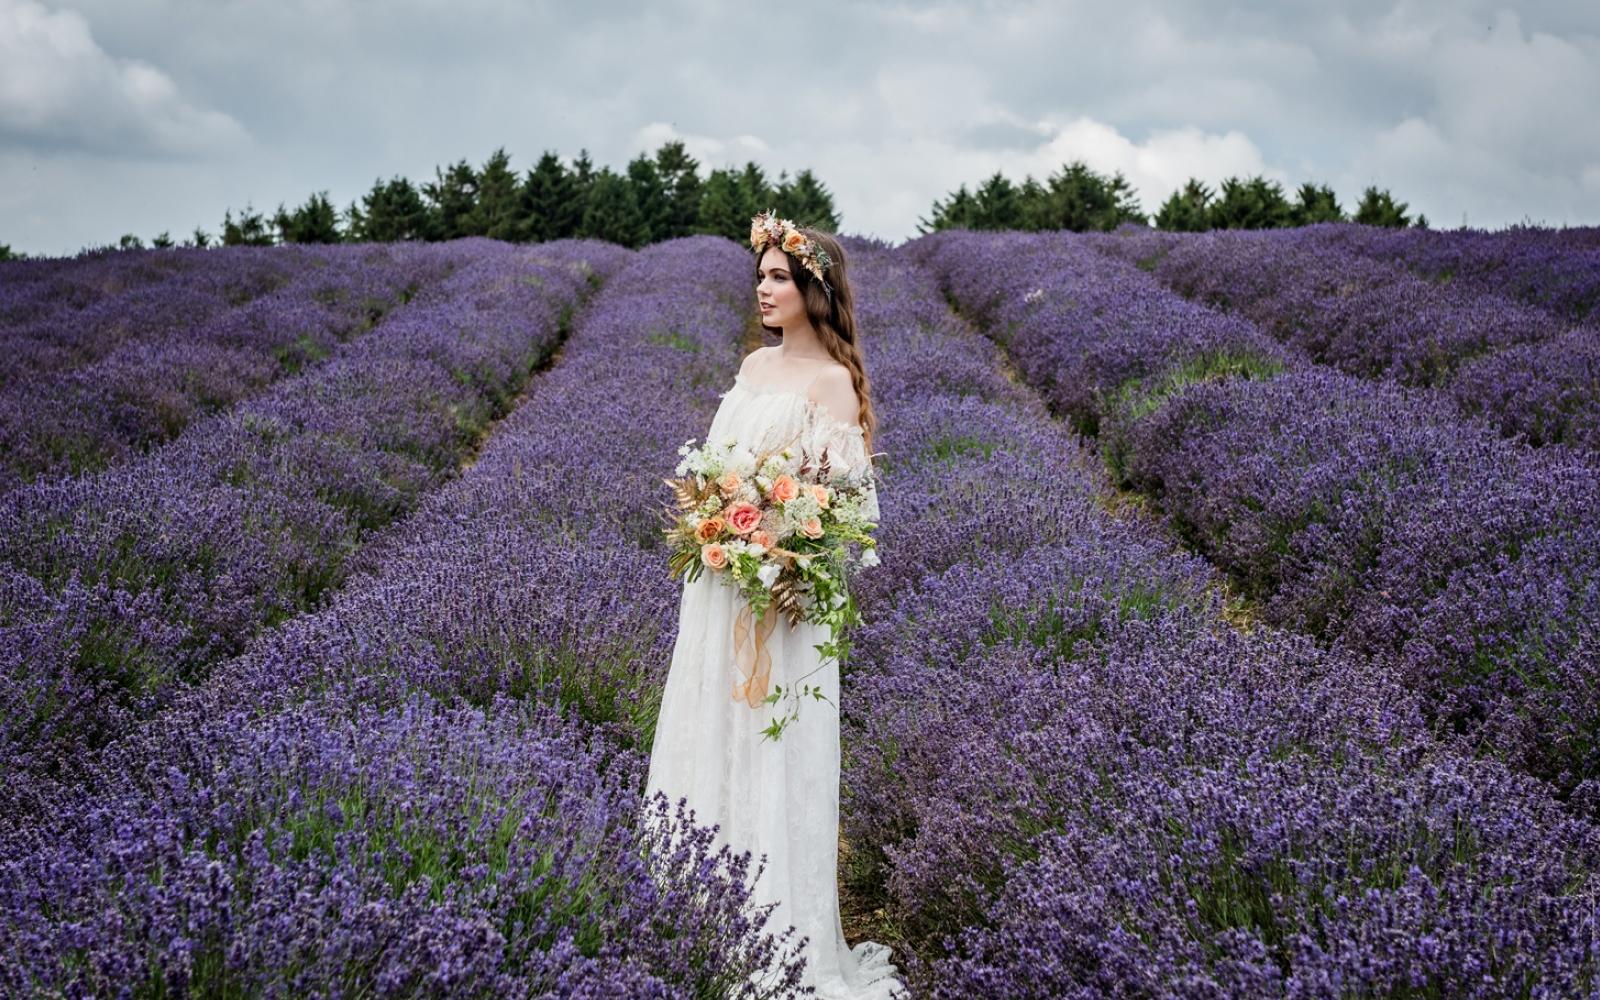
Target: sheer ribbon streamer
(752,662)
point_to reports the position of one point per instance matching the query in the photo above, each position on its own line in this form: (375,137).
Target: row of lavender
(1555,269)
(146,391)
(121,587)
(1070,779)
(37,287)
(1358,511)
(1548,391)
(431,786)
(1527,370)
(89,307)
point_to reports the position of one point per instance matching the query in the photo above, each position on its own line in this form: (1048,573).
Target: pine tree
(1081,200)
(998,205)
(612,214)
(550,202)
(497,213)
(162,240)
(806,201)
(722,207)
(1378,208)
(1186,210)
(1316,203)
(393,211)
(1256,203)
(756,194)
(680,178)
(313,222)
(251,229)
(650,196)
(956,212)
(451,197)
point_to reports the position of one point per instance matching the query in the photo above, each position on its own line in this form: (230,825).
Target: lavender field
(1237,632)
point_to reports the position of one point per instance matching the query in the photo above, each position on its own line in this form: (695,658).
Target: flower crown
(766,229)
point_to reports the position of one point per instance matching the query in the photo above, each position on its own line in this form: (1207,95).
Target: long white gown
(780,799)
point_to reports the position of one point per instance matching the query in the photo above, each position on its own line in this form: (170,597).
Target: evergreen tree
(451,197)
(680,177)
(756,193)
(314,222)
(998,205)
(956,212)
(497,213)
(1316,203)
(650,197)
(806,201)
(199,238)
(723,211)
(1036,213)
(1081,200)
(1378,208)
(6,253)
(251,229)
(612,213)
(130,242)
(582,180)
(1186,210)
(392,211)
(550,202)
(162,241)
(1256,203)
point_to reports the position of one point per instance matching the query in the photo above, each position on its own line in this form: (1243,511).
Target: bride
(777,799)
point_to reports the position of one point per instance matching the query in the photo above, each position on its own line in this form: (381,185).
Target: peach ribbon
(753,662)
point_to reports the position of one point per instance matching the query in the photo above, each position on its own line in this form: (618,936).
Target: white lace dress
(774,798)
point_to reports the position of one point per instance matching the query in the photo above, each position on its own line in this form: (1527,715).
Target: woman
(778,799)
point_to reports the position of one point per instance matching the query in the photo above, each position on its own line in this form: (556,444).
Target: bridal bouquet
(780,527)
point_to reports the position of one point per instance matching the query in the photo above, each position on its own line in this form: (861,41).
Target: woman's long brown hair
(834,319)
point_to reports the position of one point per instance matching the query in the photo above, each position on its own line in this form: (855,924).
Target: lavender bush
(146,390)
(1069,778)
(427,783)
(119,306)
(124,586)
(1340,292)
(1361,512)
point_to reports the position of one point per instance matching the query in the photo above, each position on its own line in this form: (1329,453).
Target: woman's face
(777,295)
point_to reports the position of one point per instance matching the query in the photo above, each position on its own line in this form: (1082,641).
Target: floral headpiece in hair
(766,229)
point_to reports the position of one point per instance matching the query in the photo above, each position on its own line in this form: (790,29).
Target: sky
(143,116)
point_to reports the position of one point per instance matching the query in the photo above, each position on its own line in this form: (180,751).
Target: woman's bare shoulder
(755,359)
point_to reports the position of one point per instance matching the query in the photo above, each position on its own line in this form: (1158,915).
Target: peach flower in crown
(766,229)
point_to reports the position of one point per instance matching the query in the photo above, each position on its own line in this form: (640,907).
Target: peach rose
(743,517)
(821,493)
(728,482)
(714,555)
(710,528)
(784,488)
(793,241)
(763,538)
(812,527)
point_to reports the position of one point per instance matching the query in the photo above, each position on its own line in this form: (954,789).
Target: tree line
(662,196)
(1080,199)
(657,197)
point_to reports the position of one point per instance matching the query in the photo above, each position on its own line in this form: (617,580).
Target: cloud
(1456,106)
(60,89)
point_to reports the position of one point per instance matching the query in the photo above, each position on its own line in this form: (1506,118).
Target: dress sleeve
(845,443)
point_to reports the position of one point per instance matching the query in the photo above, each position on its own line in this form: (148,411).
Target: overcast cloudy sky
(140,116)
